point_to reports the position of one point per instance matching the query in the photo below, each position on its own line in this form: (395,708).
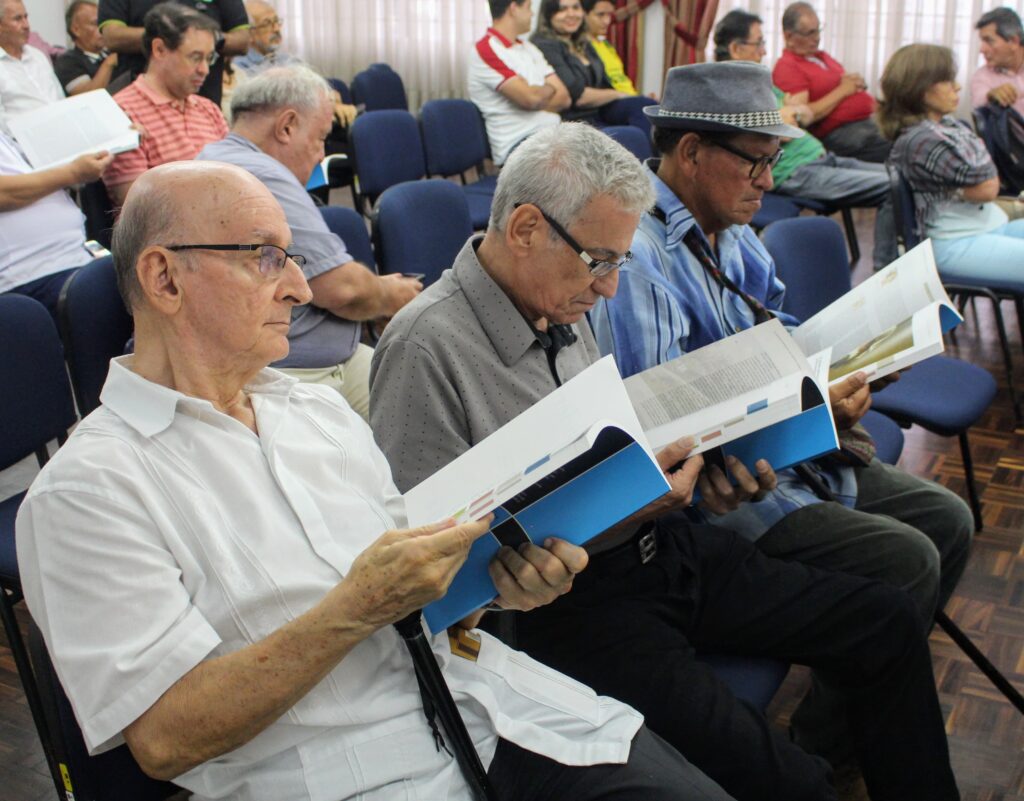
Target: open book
(571,466)
(890,321)
(753,393)
(61,132)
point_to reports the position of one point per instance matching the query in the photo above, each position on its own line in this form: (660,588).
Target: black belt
(641,548)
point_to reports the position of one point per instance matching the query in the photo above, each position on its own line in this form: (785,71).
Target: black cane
(437,697)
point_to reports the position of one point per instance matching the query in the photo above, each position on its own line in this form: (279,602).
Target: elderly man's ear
(158,273)
(686,152)
(285,124)
(523,229)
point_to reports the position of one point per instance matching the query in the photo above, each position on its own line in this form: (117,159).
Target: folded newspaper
(61,132)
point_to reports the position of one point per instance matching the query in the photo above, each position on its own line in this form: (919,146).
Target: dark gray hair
(69,15)
(169,22)
(733,27)
(1006,21)
(296,86)
(564,167)
(791,16)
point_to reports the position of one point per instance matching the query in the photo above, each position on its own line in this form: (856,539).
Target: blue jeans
(849,182)
(994,259)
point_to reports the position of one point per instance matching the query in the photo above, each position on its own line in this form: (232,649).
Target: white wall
(47,19)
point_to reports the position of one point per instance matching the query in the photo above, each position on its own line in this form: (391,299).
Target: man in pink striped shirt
(180,43)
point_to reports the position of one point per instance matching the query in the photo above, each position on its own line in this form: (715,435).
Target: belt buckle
(648,546)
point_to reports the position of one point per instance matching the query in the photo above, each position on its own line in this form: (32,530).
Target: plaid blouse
(937,158)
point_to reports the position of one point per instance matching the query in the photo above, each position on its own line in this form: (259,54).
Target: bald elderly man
(216,556)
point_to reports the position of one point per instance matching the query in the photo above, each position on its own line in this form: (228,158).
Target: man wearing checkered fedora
(700,274)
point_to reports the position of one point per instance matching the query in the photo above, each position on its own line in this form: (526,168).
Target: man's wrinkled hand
(405,569)
(1004,94)
(399,290)
(90,166)
(534,576)
(719,495)
(850,399)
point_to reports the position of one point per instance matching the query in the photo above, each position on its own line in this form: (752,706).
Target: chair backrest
(35,397)
(350,227)
(342,89)
(95,326)
(379,87)
(420,228)
(454,137)
(903,210)
(633,139)
(387,150)
(111,776)
(810,259)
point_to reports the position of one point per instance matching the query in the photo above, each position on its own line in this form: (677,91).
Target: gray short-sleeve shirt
(317,337)
(456,364)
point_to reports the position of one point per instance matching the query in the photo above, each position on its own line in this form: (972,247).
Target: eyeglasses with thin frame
(758,164)
(597,267)
(272,257)
(812,32)
(195,59)
(273,22)
(759,43)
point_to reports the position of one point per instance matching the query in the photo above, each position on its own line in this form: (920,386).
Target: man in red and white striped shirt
(510,81)
(181,44)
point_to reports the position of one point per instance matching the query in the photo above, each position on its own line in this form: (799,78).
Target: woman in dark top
(562,37)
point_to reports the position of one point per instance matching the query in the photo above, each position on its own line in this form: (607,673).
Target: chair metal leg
(851,235)
(972,489)
(28,683)
(1002,684)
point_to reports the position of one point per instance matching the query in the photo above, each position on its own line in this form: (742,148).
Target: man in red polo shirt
(842,108)
(163,100)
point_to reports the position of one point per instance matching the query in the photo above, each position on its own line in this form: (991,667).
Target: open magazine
(754,394)
(571,466)
(61,132)
(887,323)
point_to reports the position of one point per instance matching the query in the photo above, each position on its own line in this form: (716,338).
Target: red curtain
(688,25)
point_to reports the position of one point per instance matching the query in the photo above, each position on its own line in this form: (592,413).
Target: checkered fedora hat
(730,96)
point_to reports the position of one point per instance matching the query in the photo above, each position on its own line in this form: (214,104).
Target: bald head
(177,203)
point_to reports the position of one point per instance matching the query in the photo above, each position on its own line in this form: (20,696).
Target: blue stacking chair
(420,227)
(941,394)
(633,139)
(350,228)
(455,142)
(886,433)
(907,238)
(95,326)
(387,149)
(774,208)
(35,408)
(379,87)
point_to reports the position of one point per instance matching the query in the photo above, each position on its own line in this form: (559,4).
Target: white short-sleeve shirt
(44,237)
(493,61)
(26,83)
(164,533)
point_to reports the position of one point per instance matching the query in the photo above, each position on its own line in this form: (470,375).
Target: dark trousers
(46,289)
(628,111)
(655,772)
(630,630)
(860,140)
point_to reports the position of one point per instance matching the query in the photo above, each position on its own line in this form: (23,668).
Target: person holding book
(952,174)
(699,274)
(501,330)
(216,556)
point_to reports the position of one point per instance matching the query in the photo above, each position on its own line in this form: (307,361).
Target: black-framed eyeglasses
(758,43)
(758,164)
(272,257)
(597,267)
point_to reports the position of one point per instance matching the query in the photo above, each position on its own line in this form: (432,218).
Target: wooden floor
(986,735)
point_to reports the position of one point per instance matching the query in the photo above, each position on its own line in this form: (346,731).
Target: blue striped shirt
(667,304)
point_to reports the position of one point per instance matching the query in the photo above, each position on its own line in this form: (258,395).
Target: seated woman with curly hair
(562,36)
(952,175)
